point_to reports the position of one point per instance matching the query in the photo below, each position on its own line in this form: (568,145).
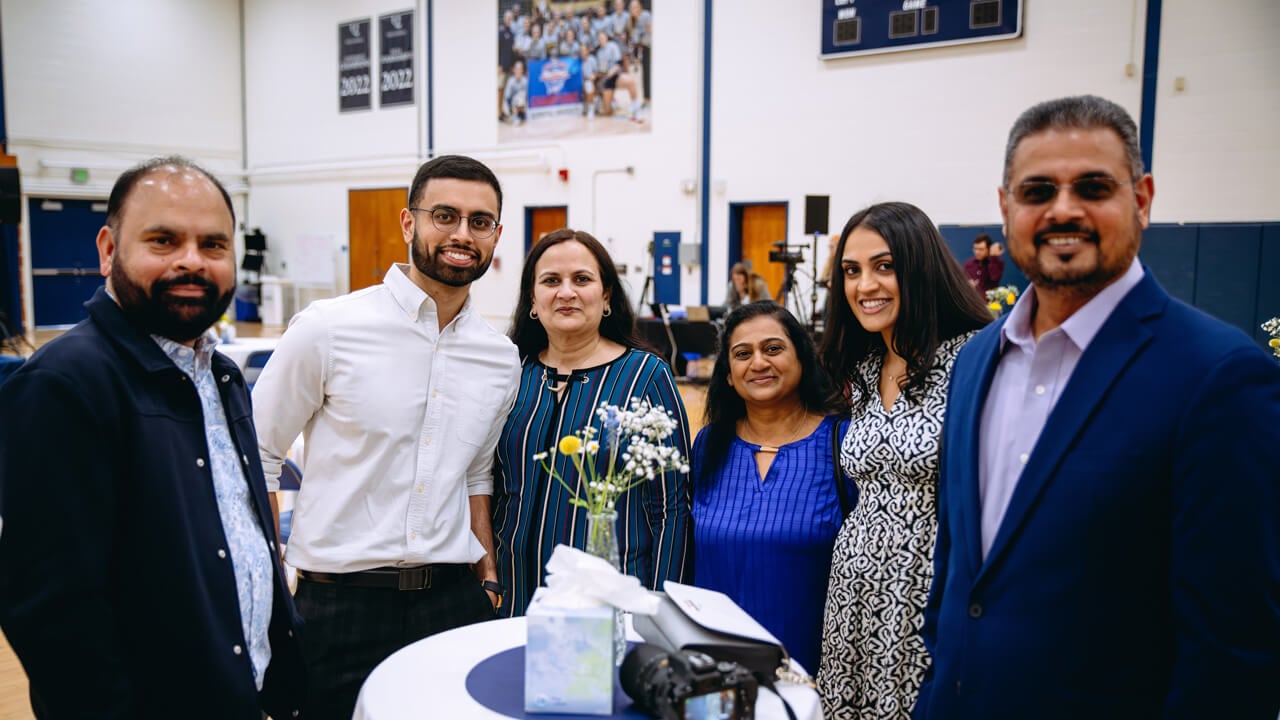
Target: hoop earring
(607,311)
(533,314)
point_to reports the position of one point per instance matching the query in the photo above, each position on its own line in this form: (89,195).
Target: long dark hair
(619,325)
(724,407)
(935,300)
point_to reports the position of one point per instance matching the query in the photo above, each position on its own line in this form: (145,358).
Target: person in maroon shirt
(986,267)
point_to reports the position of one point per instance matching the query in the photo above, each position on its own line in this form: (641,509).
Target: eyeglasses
(446,220)
(1091,188)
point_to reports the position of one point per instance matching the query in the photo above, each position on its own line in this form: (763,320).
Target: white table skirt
(428,678)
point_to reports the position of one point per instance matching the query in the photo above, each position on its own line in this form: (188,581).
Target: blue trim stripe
(1150,81)
(430,94)
(705,185)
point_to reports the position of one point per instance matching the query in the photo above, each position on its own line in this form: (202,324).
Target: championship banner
(354,66)
(554,84)
(395,55)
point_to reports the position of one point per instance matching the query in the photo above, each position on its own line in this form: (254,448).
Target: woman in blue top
(576,334)
(768,495)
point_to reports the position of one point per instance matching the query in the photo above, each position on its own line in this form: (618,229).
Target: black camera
(782,254)
(687,685)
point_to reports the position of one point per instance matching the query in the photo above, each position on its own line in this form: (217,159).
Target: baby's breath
(632,440)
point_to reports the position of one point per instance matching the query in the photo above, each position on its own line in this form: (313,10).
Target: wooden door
(763,225)
(541,220)
(373,229)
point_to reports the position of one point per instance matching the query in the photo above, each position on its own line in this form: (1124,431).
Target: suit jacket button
(975,611)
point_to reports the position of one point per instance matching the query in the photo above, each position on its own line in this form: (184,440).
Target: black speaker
(10,196)
(816,210)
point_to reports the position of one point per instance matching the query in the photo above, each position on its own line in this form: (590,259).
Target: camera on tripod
(687,685)
(783,254)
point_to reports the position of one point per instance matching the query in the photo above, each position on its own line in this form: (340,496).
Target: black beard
(437,269)
(181,319)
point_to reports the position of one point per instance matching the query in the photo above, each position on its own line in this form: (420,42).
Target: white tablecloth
(428,678)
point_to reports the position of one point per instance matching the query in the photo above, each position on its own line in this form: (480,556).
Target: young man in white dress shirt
(400,391)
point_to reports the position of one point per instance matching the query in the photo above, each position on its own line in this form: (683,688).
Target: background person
(891,337)
(577,337)
(1108,544)
(745,286)
(986,267)
(399,390)
(766,504)
(137,519)
(516,95)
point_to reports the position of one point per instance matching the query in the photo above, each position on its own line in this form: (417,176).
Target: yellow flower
(570,444)
(1011,298)
(995,306)
(1275,342)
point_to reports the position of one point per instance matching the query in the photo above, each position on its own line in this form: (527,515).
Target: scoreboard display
(866,27)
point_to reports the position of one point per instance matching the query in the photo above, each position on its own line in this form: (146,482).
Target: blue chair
(290,481)
(253,365)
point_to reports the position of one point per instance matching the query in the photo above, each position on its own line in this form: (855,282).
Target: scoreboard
(866,27)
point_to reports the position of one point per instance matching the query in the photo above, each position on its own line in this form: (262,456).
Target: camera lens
(643,675)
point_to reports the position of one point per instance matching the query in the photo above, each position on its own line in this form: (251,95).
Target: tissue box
(568,660)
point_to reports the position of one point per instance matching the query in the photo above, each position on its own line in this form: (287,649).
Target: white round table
(429,678)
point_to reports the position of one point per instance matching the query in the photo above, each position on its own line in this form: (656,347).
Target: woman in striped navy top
(768,495)
(576,334)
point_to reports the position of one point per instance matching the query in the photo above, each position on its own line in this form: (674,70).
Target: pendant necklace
(773,449)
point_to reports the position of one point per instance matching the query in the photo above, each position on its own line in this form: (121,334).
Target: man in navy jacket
(1108,540)
(139,575)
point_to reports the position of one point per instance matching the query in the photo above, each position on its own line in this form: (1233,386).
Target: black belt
(390,578)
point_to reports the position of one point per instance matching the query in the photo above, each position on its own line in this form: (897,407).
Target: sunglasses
(1090,188)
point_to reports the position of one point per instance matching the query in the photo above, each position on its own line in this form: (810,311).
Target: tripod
(790,298)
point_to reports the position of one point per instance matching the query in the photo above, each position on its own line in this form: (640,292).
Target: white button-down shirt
(1026,386)
(400,420)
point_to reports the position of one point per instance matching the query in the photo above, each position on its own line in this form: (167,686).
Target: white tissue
(578,580)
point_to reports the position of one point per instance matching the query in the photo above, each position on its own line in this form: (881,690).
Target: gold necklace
(771,448)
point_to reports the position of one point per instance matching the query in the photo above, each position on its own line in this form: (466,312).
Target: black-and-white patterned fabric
(873,658)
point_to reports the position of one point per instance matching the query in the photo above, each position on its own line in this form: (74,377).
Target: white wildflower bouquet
(631,439)
(1272,327)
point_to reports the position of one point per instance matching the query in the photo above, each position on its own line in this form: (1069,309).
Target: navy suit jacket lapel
(968,395)
(1119,340)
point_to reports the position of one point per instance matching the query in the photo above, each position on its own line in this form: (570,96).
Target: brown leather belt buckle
(418,578)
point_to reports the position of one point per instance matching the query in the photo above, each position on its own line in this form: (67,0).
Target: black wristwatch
(495,588)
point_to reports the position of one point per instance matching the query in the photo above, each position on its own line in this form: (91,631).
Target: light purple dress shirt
(1027,383)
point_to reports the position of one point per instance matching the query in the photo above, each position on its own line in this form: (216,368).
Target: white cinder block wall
(101,85)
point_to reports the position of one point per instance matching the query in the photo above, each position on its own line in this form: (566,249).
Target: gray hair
(1081,111)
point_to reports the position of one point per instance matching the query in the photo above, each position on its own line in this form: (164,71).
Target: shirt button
(291,635)
(435,393)
(199,462)
(273,545)
(237,650)
(419,488)
(413,536)
(1023,458)
(1039,389)
(222,553)
(225,378)
(244,459)
(426,441)
(975,611)
(294,713)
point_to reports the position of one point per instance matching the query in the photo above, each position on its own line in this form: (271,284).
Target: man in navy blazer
(139,575)
(1109,535)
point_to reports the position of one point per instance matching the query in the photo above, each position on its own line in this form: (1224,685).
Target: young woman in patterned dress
(891,337)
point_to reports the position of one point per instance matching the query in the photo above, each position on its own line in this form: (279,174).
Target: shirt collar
(1083,324)
(191,359)
(411,298)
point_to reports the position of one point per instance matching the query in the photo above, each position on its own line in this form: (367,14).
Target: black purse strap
(842,488)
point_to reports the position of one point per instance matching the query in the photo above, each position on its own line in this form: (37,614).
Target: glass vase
(602,541)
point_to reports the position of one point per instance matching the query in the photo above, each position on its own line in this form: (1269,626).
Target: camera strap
(766,680)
